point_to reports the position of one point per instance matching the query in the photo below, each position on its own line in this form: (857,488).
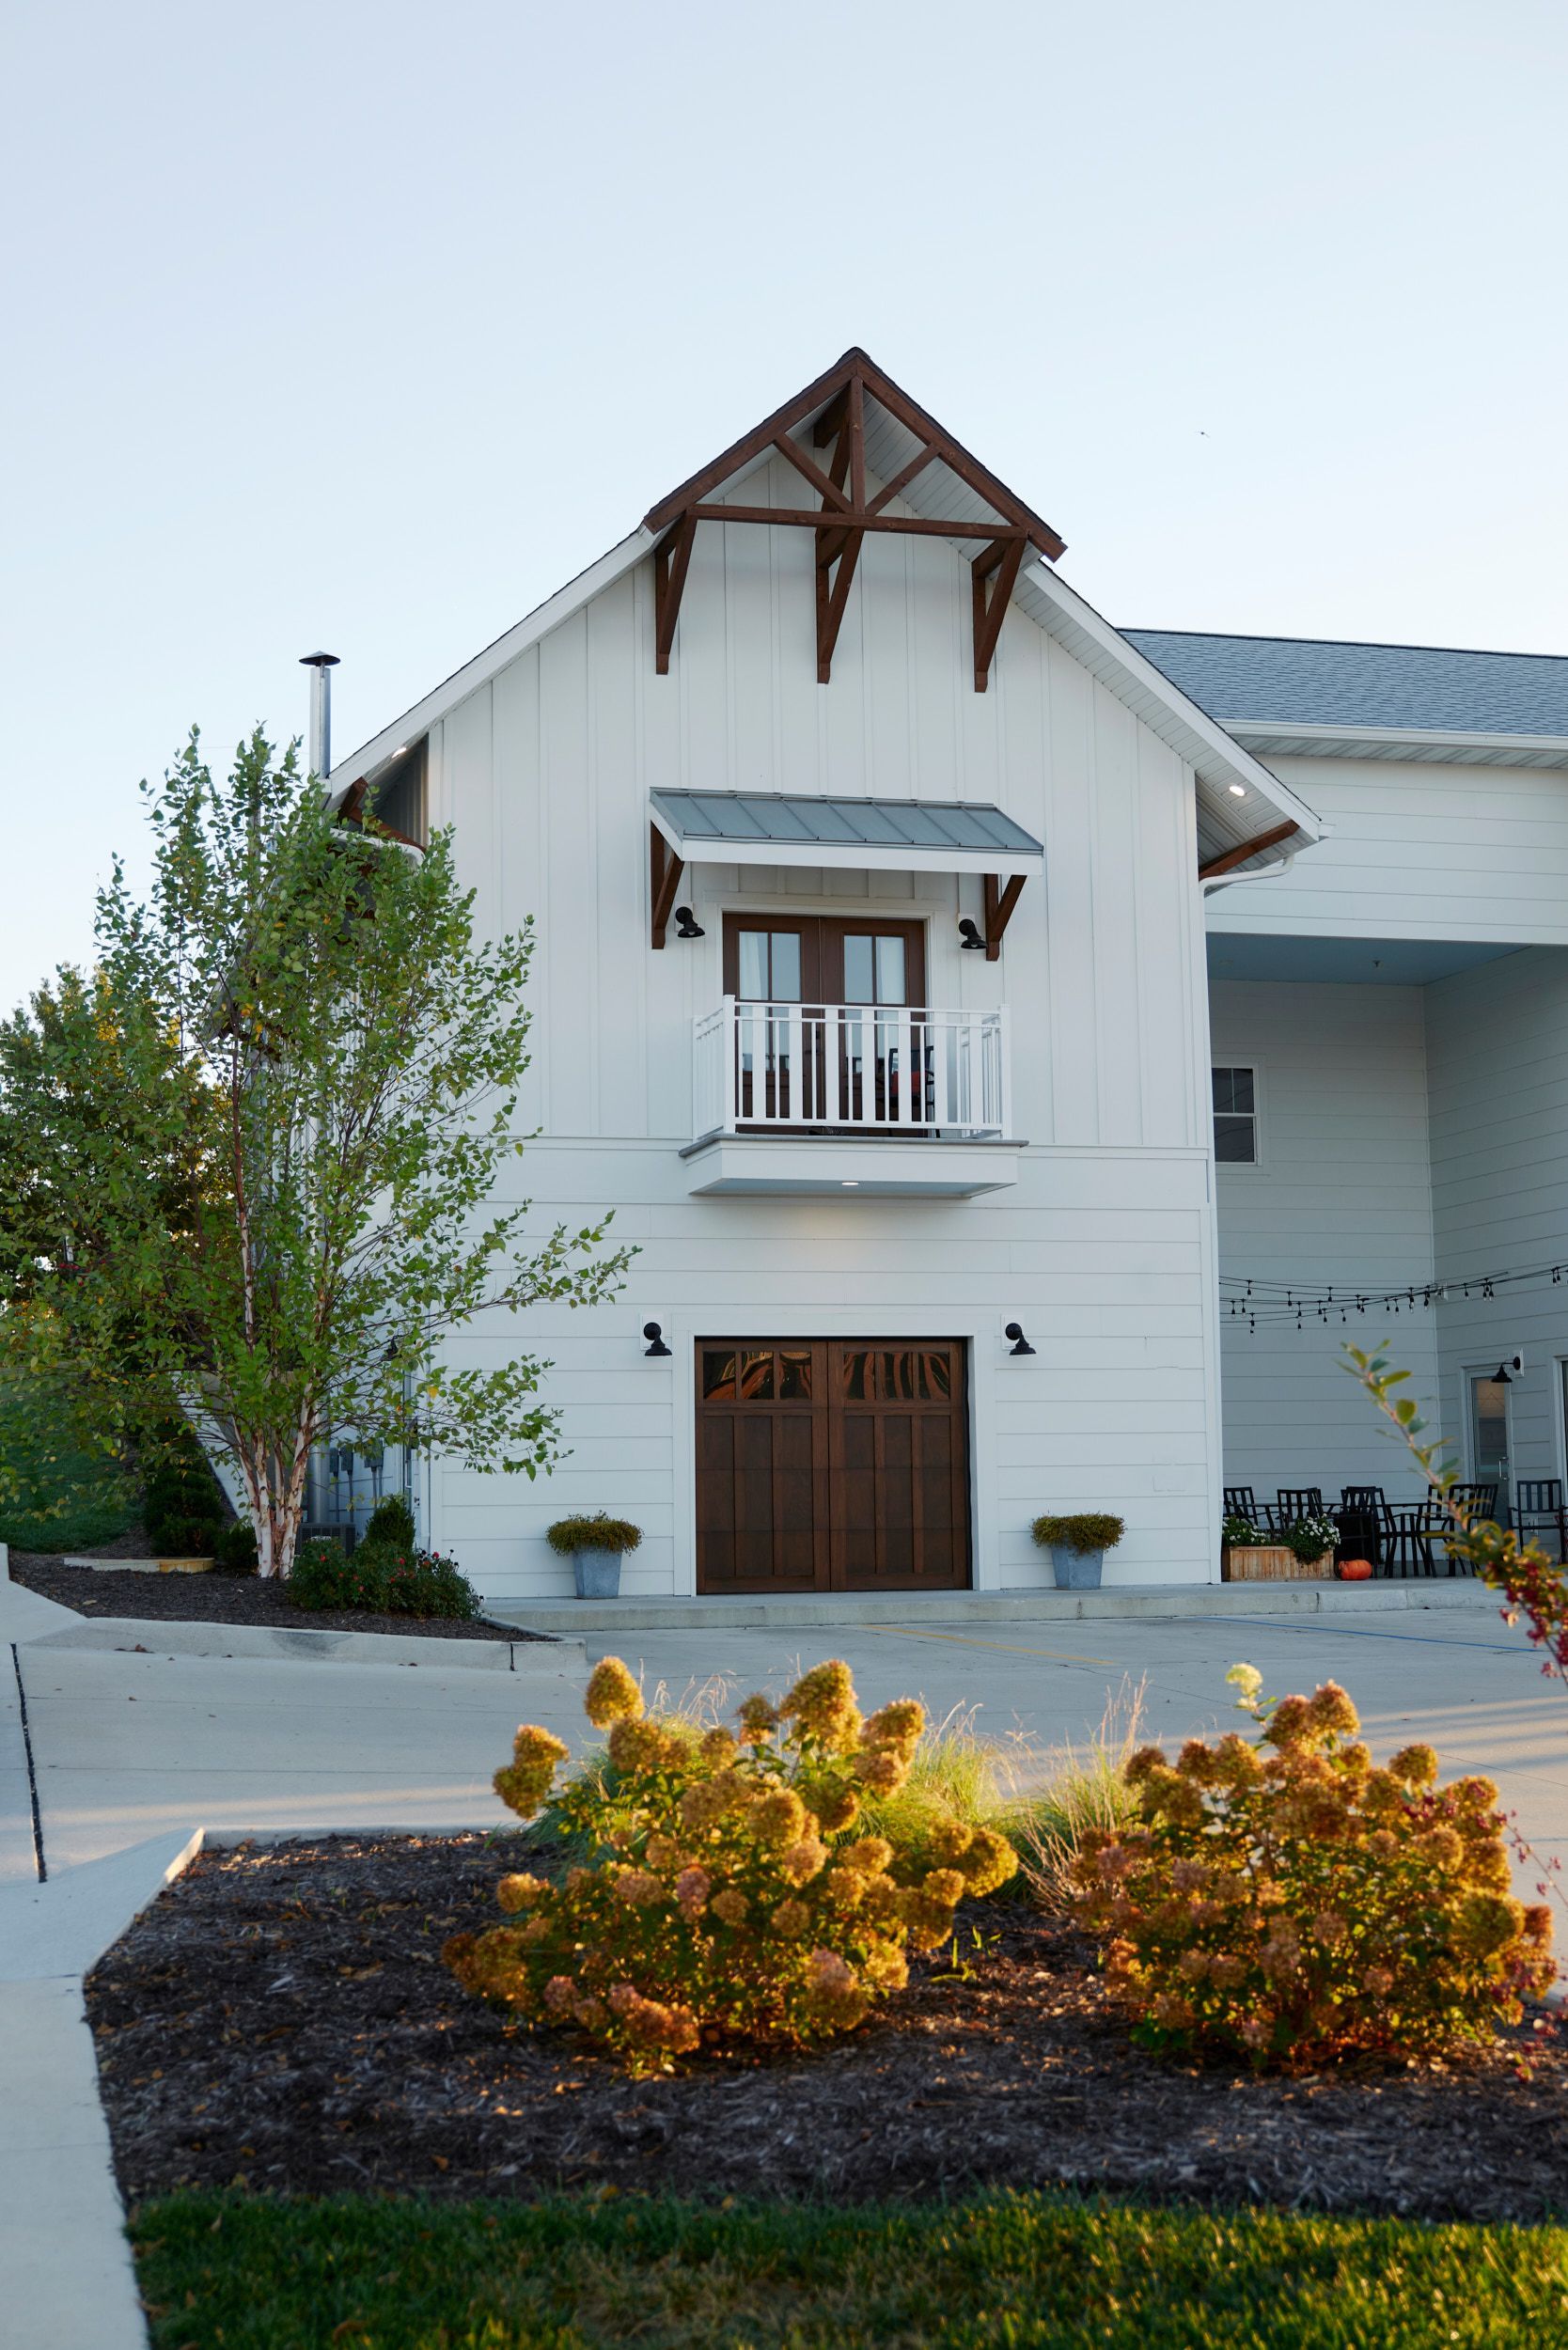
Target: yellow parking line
(1007,1648)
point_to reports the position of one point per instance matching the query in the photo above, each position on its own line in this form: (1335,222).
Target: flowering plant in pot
(595,1546)
(1077,1545)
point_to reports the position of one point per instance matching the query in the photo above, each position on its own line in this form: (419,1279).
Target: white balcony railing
(854,1068)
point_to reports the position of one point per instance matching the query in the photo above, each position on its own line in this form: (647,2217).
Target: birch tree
(253,1165)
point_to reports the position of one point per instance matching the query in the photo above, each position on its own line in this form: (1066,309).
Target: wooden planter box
(1271,1563)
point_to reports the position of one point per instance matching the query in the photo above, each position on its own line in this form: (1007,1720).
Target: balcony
(823,1097)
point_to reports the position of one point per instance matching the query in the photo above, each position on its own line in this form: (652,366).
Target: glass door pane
(1489,1437)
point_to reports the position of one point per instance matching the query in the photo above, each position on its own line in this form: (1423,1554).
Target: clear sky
(365,325)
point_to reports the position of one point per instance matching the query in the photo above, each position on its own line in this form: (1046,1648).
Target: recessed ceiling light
(852,1182)
(1238,791)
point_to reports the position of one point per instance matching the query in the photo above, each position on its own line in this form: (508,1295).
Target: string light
(1247,1297)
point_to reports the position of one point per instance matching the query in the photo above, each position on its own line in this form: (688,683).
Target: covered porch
(1390,1127)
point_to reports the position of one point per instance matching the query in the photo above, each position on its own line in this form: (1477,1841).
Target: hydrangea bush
(724,1893)
(1284,1897)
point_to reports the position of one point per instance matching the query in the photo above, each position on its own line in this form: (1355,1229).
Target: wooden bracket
(999,903)
(671,561)
(1000,563)
(1243,849)
(664,869)
(833,411)
(839,546)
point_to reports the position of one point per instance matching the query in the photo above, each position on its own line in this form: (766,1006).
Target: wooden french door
(817,961)
(832,1465)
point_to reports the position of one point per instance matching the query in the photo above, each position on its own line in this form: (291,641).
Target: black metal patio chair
(1410,1532)
(1297,1501)
(1538,1509)
(1241,1502)
(1360,1519)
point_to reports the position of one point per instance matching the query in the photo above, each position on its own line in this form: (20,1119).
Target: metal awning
(860,834)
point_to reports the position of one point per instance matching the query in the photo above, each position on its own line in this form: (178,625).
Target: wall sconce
(1020,1344)
(652,1331)
(970,935)
(1504,1372)
(687,925)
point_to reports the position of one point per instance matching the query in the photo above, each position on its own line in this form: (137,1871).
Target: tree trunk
(276,1495)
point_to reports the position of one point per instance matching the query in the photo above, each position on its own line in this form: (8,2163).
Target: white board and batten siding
(1340,1198)
(1102,1249)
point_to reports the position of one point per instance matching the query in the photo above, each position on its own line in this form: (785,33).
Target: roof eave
(1447,746)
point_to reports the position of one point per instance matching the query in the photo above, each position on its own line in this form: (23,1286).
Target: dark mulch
(214,1598)
(281,2020)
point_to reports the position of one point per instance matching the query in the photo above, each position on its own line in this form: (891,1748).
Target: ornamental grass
(1283,1897)
(728,1893)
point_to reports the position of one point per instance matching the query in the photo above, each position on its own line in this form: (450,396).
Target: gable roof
(1335,697)
(1237,794)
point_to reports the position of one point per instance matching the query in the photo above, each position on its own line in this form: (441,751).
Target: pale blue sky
(365,325)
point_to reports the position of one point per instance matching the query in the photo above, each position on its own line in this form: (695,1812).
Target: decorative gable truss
(855,402)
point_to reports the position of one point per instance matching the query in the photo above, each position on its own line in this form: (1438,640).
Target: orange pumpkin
(1354,1570)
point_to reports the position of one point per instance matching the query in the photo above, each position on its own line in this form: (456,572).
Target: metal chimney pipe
(320,665)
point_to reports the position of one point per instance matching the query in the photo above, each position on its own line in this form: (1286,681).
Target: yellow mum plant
(1284,1897)
(724,1894)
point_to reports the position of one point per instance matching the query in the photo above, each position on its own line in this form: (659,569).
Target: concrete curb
(529,1659)
(896,1608)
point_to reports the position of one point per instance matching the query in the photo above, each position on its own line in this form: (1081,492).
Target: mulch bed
(214,1598)
(280,2020)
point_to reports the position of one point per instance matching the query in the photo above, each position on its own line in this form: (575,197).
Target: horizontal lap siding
(1340,1200)
(1418,852)
(1497,1057)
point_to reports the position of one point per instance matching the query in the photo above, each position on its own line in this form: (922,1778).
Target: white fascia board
(1520,750)
(849,856)
(1214,755)
(475,673)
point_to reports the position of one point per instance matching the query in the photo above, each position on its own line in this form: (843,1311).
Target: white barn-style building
(906,934)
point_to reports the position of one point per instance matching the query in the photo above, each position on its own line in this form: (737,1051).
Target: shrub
(1088,1530)
(728,1891)
(235,1552)
(185,1537)
(599,1532)
(391,1523)
(380,1580)
(1283,1897)
(1239,1534)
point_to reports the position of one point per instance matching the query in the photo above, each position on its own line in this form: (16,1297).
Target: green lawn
(995,2274)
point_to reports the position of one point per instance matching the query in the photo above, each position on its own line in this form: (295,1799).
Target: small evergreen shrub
(185,1537)
(599,1532)
(728,1893)
(1088,1530)
(391,1523)
(1283,1897)
(381,1581)
(235,1551)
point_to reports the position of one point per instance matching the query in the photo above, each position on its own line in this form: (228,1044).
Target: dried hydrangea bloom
(731,1905)
(778,1819)
(987,1861)
(692,1888)
(823,1703)
(805,1859)
(638,1889)
(757,1720)
(524,1783)
(1332,1712)
(792,1918)
(520,1891)
(612,1694)
(899,1725)
(717,1748)
(641,1746)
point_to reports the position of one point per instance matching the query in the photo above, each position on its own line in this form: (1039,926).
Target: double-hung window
(1235,1116)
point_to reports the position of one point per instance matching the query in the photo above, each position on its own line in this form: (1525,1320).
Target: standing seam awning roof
(778,829)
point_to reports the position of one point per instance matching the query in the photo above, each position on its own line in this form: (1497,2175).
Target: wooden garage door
(831,1465)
